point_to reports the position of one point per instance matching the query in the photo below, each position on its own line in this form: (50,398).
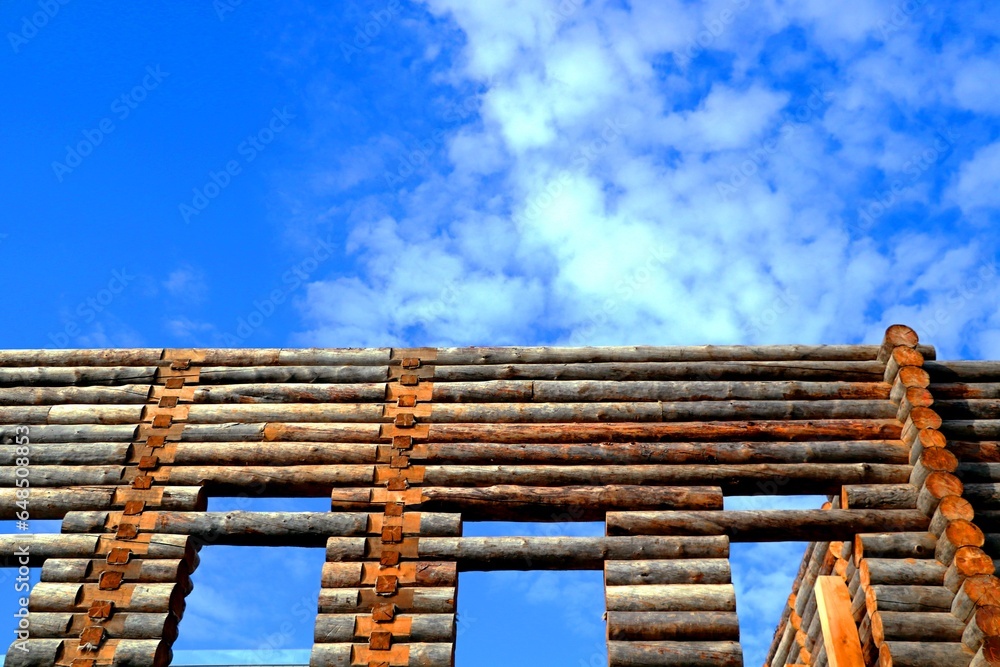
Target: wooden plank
(840,634)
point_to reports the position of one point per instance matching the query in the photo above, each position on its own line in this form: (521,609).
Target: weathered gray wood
(673,453)
(65,475)
(420,655)
(672,626)
(982,473)
(267,374)
(145,598)
(37,653)
(909,598)
(532,503)
(924,654)
(678,597)
(361,601)
(685,571)
(910,627)
(313,480)
(110,453)
(268,454)
(972,429)
(286,412)
(87,357)
(532,355)
(965,390)
(976,408)
(676,390)
(878,496)
(310,356)
(120,395)
(765,525)
(290,393)
(142,653)
(42,546)
(281,432)
(119,626)
(541,553)
(54,503)
(963,371)
(901,572)
(840,371)
(71,414)
(985,622)
(341,628)
(149,571)
(77,434)
(675,654)
(75,375)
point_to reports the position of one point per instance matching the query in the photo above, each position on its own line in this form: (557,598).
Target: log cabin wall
(125,446)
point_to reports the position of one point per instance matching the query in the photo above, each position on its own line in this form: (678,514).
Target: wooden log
(716,453)
(843,371)
(907,378)
(93,357)
(76,375)
(988,520)
(289,393)
(908,598)
(119,626)
(267,454)
(878,496)
(71,414)
(901,572)
(77,434)
(527,503)
(988,654)
(821,660)
(985,622)
(157,571)
(305,480)
(344,628)
(675,654)
(967,562)
(541,553)
(73,597)
(42,546)
(909,627)
(555,391)
(765,525)
(672,626)
(963,371)
(804,585)
(134,394)
(931,461)
(979,472)
(265,528)
(679,597)
(361,601)
(42,476)
(921,654)
(782,647)
(279,374)
(965,390)
(897,335)
(36,653)
(409,655)
(316,356)
(532,355)
(61,454)
(951,508)
(971,429)
(915,397)
(422,573)
(983,495)
(687,571)
(938,485)
(981,591)
(894,545)
(976,408)
(796,478)
(956,535)
(899,357)
(54,503)
(927,438)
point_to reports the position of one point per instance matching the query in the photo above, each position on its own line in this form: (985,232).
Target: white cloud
(187,283)
(977,185)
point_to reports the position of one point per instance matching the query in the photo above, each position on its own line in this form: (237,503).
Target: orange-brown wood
(840,634)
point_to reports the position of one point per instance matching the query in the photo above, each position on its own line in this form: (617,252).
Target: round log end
(900,335)
(988,620)
(964,533)
(912,376)
(931,438)
(942,484)
(918,397)
(925,418)
(991,651)
(907,356)
(938,460)
(972,561)
(953,508)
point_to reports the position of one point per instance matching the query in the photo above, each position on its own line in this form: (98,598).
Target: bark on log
(526,503)
(672,626)
(921,654)
(878,496)
(693,571)
(681,597)
(909,627)
(343,628)
(715,453)
(675,654)
(968,562)
(541,553)
(765,525)
(901,572)
(894,545)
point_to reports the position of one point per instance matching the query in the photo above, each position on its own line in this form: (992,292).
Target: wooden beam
(840,634)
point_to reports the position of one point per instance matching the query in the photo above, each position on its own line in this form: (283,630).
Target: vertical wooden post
(840,634)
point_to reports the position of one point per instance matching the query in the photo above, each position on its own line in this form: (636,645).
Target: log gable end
(125,445)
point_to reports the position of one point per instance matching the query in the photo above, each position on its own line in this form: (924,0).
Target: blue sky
(444,172)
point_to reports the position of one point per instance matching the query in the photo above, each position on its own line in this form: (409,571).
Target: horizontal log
(675,654)
(556,391)
(534,355)
(43,546)
(527,503)
(965,390)
(71,414)
(976,408)
(119,626)
(684,571)
(77,433)
(975,592)
(766,525)
(910,627)
(963,371)
(672,453)
(542,553)
(678,597)
(144,571)
(894,545)
(971,429)
(310,356)
(74,597)
(119,395)
(842,371)
(36,653)
(111,453)
(75,375)
(901,571)
(985,623)
(42,475)
(267,454)
(421,574)
(345,628)
(89,357)
(127,652)
(54,503)
(300,529)
(908,598)
(345,392)
(878,496)
(297,480)
(921,654)
(976,451)
(973,473)
(404,655)
(748,479)
(672,626)
(216,375)
(361,601)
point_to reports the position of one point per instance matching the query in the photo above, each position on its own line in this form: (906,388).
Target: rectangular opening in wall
(251,606)
(247,503)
